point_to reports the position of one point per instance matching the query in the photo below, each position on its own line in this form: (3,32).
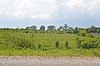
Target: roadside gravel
(48,61)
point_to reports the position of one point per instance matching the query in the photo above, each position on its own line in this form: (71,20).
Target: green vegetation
(51,42)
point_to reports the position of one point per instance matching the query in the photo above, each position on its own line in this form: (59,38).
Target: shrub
(88,44)
(91,35)
(25,31)
(39,46)
(78,42)
(82,33)
(66,45)
(99,45)
(57,44)
(23,44)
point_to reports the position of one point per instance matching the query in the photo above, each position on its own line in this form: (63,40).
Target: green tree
(51,27)
(70,30)
(65,27)
(76,30)
(42,27)
(33,27)
(93,29)
(60,28)
(28,28)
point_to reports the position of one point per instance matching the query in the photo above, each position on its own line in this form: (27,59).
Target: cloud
(87,5)
(49,9)
(3,12)
(29,8)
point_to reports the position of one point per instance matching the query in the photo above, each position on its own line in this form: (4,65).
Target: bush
(91,35)
(57,44)
(88,44)
(99,45)
(23,44)
(66,45)
(25,31)
(78,42)
(82,33)
(39,46)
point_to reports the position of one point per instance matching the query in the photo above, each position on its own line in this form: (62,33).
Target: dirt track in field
(49,61)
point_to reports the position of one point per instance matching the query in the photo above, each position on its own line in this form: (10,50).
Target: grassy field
(55,52)
(20,43)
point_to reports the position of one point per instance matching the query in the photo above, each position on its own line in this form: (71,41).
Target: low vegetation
(32,42)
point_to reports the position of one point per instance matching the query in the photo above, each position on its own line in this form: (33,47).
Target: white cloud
(47,9)
(4,12)
(89,6)
(29,8)
(34,8)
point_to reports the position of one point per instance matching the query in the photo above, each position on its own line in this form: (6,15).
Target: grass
(10,40)
(56,52)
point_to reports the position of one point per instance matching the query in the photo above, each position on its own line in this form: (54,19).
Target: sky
(22,13)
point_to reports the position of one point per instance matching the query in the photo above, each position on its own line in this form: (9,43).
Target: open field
(55,52)
(23,43)
(49,61)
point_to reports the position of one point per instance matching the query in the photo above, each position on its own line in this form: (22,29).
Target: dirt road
(48,61)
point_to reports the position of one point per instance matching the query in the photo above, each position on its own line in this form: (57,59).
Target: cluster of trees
(60,29)
(66,29)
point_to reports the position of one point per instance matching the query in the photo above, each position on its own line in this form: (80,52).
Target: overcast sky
(22,13)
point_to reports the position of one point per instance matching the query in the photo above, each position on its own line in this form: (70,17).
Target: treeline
(60,30)
(66,29)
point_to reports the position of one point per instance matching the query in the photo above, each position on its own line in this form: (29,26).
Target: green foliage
(91,35)
(39,46)
(57,44)
(23,44)
(33,27)
(60,28)
(88,43)
(66,45)
(82,33)
(76,30)
(45,48)
(26,42)
(65,27)
(42,27)
(51,27)
(78,42)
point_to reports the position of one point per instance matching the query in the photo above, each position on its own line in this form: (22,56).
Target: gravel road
(49,61)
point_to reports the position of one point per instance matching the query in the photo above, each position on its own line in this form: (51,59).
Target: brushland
(24,42)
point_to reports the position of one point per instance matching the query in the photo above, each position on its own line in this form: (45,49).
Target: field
(28,43)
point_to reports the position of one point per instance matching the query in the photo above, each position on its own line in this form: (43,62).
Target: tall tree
(71,30)
(93,29)
(42,27)
(33,27)
(60,28)
(76,30)
(28,28)
(51,27)
(65,27)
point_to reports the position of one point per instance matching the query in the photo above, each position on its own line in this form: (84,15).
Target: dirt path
(48,61)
